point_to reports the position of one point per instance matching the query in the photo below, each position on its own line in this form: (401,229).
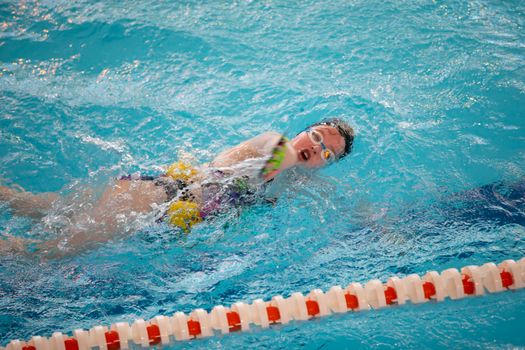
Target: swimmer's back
(130,196)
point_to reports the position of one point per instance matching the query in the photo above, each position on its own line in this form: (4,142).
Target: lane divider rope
(451,283)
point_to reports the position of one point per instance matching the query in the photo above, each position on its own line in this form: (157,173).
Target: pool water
(435,90)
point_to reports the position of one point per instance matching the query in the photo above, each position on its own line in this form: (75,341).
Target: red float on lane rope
(71,344)
(390,295)
(194,327)
(153,334)
(468,285)
(312,307)
(506,279)
(274,314)
(351,301)
(234,321)
(112,340)
(429,289)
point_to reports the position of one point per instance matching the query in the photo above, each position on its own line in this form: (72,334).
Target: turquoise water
(435,91)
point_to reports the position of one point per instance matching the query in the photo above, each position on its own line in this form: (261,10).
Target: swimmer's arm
(256,147)
(27,204)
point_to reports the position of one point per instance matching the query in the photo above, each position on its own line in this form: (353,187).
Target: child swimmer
(185,195)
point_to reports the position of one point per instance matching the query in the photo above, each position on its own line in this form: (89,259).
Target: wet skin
(309,152)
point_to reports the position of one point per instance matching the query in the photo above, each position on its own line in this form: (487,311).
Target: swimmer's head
(323,143)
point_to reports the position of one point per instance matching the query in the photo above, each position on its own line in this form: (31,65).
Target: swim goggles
(326,154)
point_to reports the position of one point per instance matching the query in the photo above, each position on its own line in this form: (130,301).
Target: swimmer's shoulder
(267,139)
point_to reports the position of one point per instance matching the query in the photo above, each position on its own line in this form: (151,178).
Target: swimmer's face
(318,146)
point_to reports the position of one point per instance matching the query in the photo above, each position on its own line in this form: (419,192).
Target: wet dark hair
(344,129)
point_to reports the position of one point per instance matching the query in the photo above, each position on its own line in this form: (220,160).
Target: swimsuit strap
(174,188)
(131,177)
